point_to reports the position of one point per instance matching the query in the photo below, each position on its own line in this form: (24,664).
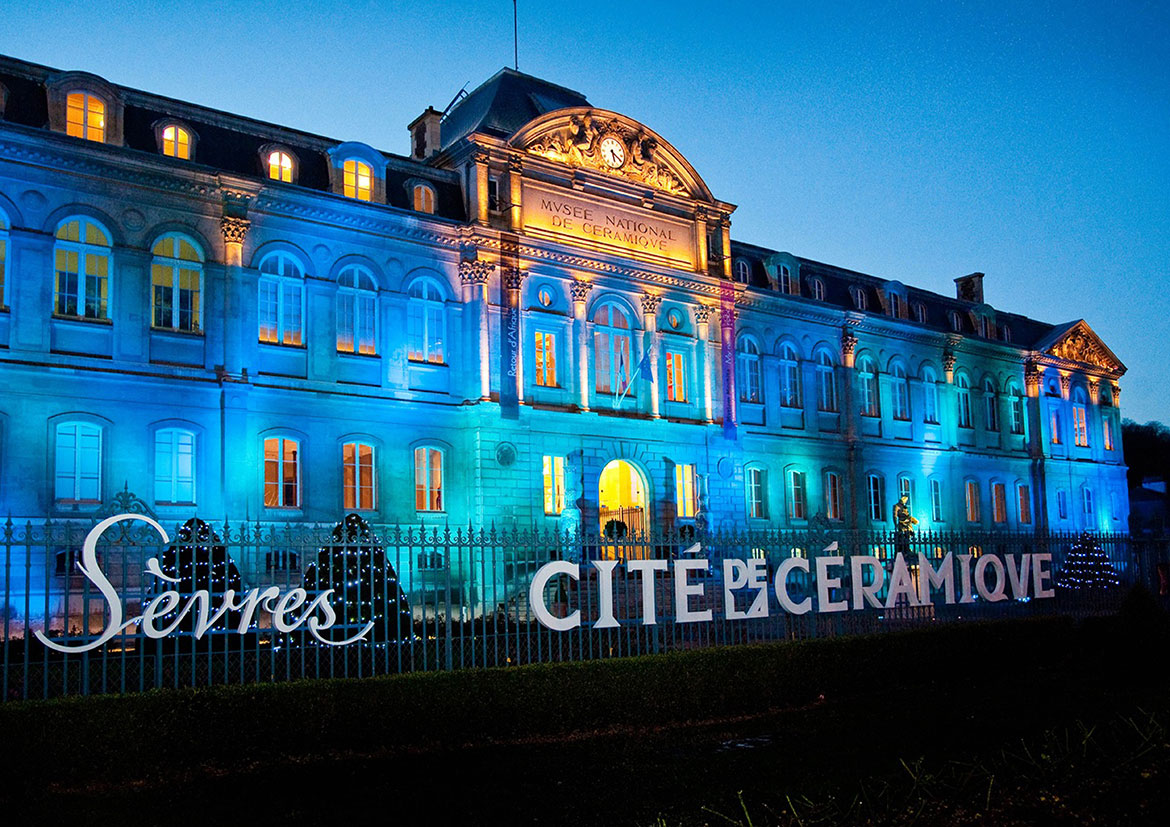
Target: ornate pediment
(612,144)
(1078,343)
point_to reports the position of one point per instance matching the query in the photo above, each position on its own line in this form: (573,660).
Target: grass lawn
(1019,722)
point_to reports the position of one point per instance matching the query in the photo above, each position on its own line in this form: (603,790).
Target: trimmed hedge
(115,737)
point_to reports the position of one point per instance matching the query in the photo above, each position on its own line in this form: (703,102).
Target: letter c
(536,596)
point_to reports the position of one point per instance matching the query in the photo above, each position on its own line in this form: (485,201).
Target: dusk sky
(913,141)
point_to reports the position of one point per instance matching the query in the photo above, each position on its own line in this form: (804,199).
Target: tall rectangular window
(546,359)
(999,502)
(1087,501)
(755,493)
(1062,504)
(972,489)
(1107,432)
(356,180)
(1054,425)
(936,504)
(676,383)
(685,490)
(1080,426)
(428,479)
(282,473)
(1017,414)
(877,499)
(1024,494)
(357,460)
(905,489)
(554,485)
(174,466)
(78,463)
(797,500)
(833,495)
(85,116)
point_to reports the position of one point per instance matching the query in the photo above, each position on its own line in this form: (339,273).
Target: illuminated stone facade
(447,336)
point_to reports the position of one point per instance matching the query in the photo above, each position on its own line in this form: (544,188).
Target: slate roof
(503,103)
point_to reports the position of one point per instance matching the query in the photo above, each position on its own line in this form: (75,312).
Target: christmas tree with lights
(1086,566)
(365,585)
(199,561)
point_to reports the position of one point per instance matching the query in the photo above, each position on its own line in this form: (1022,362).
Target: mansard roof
(505,102)
(227,142)
(1026,333)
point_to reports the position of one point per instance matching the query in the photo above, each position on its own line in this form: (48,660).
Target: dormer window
(895,305)
(356,180)
(1006,333)
(818,290)
(279,163)
(177,142)
(920,312)
(85,116)
(859,300)
(743,271)
(784,278)
(986,328)
(423,198)
(956,321)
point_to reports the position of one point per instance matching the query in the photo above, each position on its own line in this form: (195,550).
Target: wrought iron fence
(446,598)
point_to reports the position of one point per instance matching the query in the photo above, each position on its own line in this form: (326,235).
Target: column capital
(234,230)
(650,303)
(579,290)
(1065,384)
(703,313)
(1033,376)
(512,277)
(948,360)
(848,347)
(474,272)
(515,163)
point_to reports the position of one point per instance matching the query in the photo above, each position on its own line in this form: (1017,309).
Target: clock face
(613,152)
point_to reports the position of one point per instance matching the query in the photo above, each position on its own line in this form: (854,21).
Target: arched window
(1006,333)
(826,383)
(1087,502)
(611,349)
(789,377)
(357,299)
(757,492)
(357,179)
(77,463)
(986,327)
(859,300)
(358,479)
(895,306)
(174,467)
(3,258)
(929,395)
(176,278)
(85,116)
(818,290)
(176,142)
(971,489)
(749,370)
(423,198)
(428,479)
(876,495)
(797,495)
(280,166)
(1017,403)
(426,323)
(785,278)
(833,496)
(901,388)
(282,473)
(990,405)
(964,394)
(1080,419)
(1024,503)
(282,296)
(956,321)
(870,393)
(82,256)
(743,271)
(920,312)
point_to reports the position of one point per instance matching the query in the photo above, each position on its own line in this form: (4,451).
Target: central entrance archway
(621,494)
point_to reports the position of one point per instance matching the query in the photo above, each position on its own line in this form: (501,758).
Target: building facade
(538,317)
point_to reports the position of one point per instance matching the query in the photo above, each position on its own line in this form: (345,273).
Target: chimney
(970,288)
(424,134)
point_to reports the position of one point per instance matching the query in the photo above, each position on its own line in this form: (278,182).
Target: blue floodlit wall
(232,391)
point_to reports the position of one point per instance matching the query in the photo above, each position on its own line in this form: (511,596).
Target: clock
(613,151)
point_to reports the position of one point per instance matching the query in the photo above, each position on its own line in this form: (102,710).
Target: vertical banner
(509,325)
(727,329)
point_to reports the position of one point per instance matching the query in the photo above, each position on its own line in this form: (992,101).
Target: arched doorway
(621,495)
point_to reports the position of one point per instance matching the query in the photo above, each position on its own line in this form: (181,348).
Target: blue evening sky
(916,140)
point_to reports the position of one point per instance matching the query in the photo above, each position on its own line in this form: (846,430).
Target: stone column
(235,232)
(474,276)
(511,280)
(703,361)
(480,211)
(131,305)
(725,227)
(701,240)
(1034,412)
(850,419)
(651,345)
(580,292)
(515,177)
(948,402)
(30,278)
